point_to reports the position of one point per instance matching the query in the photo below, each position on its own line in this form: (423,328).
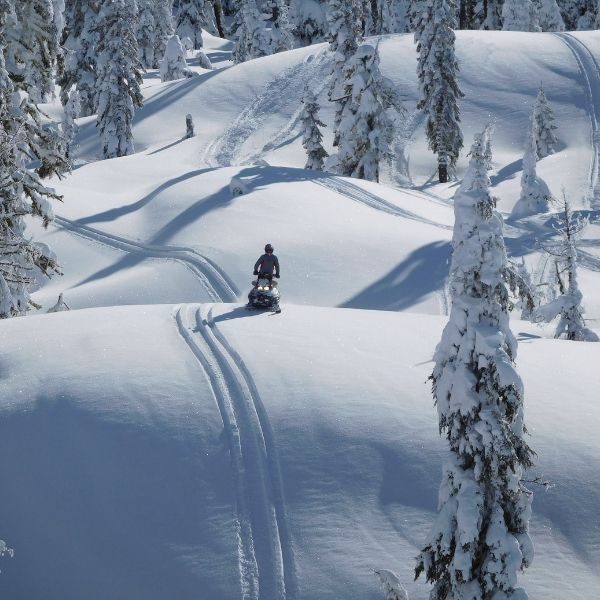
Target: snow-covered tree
(528,302)
(189,127)
(343,17)
(163,28)
(22,194)
(146,33)
(119,77)
(535,194)
(282,37)
(520,15)
(312,138)
(192,18)
(309,21)
(544,116)
(550,18)
(252,40)
(492,15)
(393,16)
(173,65)
(588,13)
(391,585)
(80,40)
(365,129)
(437,70)
(480,538)
(569,305)
(69,126)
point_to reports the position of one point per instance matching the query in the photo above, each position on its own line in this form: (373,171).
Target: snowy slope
(160,452)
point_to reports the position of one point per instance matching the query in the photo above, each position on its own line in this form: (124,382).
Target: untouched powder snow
(170,451)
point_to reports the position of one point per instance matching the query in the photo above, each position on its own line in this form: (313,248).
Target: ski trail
(266,541)
(213,279)
(590,71)
(358,194)
(286,87)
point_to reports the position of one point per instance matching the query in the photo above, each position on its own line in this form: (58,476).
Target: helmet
(268,248)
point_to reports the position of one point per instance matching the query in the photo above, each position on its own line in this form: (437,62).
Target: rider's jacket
(266,264)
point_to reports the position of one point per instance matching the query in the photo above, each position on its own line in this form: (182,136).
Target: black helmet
(268,248)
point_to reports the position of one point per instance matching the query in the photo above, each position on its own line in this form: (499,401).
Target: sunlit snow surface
(169,449)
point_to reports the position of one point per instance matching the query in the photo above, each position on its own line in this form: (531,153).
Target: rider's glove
(278,276)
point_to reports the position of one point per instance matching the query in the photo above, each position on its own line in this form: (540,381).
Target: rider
(267,263)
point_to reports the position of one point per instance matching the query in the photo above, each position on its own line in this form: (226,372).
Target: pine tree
(119,77)
(311,134)
(163,28)
(544,116)
(365,130)
(146,31)
(190,21)
(550,18)
(588,13)
(480,538)
(492,15)
(520,15)
(282,38)
(22,194)
(394,16)
(309,21)
(535,195)
(252,40)
(569,305)
(69,126)
(439,92)
(174,65)
(343,17)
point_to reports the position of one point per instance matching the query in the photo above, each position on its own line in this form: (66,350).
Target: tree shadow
(424,271)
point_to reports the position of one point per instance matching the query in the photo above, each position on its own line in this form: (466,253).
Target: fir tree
(394,16)
(343,17)
(119,77)
(520,15)
(569,305)
(309,21)
(252,40)
(69,127)
(311,134)
(163,28)
(439,92)
(550,18)
(145,33)
(173,65)
(190,21)
(480,539)
(544,116)
(534,192)
(365,129)
(492,15)
(22,194)
(282,38)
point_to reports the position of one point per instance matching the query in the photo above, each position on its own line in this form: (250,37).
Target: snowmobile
(264,294)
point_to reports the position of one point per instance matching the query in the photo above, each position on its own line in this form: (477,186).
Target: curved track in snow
(267,567)
(216,283)
(354,192)
(286,87)
(590,71)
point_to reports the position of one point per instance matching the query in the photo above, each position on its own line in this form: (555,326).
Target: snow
(149,456)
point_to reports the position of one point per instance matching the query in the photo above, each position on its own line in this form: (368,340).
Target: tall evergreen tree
(569,305)
(437,70)
(282,38)
(174,65)
(365,130)
(308,18)
(544,116)
(343,17)
(251,35)
(163,28)
(191,19)
(119,76)
(550,18)
(394,16)
(312,138)
(480,539)
(22,194)
(69,126)
(146,31)
(520,15)
(492,15)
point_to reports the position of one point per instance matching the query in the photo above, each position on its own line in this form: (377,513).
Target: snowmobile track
(213,279)
(358,194)
(285,88)
(266,556)
(591,74)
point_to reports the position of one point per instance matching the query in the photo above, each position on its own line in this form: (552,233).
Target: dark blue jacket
(266,264)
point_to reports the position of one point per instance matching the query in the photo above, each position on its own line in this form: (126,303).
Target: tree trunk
(219,18)
(442,170)
(462,15)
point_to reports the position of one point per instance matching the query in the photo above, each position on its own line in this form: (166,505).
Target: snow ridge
(267,567)
(591,74)
(284,88)
(218,286)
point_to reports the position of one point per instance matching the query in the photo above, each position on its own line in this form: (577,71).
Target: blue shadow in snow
(424,271)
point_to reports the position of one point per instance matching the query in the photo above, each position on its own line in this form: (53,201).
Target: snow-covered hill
(170,449)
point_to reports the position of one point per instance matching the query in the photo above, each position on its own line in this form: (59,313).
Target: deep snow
(147,454)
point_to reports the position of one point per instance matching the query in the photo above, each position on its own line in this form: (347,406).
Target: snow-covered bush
(535,194)
(119,77)
(480,538)
(173,65)
(544,116)
(437,70)
(569,305)
(189,127)
(312,138)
